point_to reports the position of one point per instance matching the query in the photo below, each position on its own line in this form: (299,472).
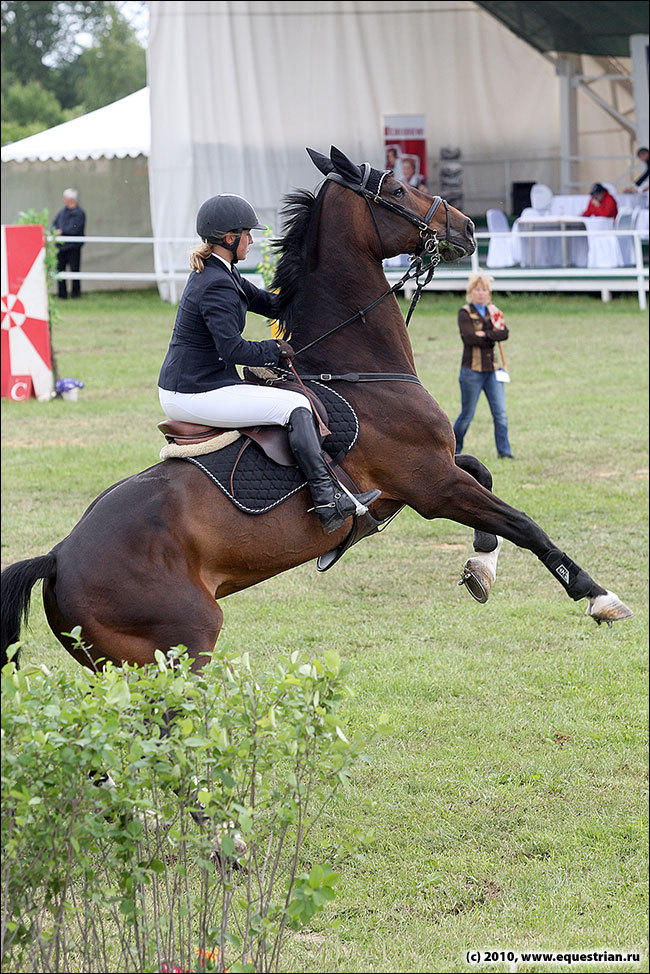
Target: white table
(632,201)
(573,205)
(549,251)
(595,250)
(576,204)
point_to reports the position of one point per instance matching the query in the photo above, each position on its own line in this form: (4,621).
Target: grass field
(507,807)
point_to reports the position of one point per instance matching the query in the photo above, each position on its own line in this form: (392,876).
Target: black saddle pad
(259,484)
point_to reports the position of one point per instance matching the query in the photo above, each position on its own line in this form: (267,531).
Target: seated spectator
(601,203)
(640,184)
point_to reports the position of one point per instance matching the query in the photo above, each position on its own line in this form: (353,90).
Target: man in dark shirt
(69,222)
(640,184)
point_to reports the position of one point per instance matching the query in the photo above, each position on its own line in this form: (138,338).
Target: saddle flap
(176,431)
(274,441)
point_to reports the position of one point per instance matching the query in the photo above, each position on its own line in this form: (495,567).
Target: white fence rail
(605,280)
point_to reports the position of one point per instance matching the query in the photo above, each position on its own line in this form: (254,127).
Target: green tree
(39,36)
(31,104)
(27,109)
(114,67)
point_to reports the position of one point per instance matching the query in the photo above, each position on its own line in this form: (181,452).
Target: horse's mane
(297,252)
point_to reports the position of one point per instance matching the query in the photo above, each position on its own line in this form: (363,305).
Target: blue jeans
(471,384)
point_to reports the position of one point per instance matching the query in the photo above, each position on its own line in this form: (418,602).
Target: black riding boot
(331,503)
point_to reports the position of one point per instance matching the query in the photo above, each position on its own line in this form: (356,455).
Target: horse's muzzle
(460,243)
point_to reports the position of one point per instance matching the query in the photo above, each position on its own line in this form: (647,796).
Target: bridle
(370,189)
(424,259)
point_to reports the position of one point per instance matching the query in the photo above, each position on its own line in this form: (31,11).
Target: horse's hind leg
(461,498)
(182,613)
(480,572)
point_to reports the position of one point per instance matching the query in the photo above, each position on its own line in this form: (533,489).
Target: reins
(422,263)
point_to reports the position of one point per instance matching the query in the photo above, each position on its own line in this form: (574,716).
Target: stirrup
(338,516)
(361,501)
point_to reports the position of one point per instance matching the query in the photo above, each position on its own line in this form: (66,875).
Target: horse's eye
(399,191)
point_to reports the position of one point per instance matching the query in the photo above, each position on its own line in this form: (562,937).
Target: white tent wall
(238,89)
(114,193)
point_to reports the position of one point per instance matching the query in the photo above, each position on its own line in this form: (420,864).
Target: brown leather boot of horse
(332,504)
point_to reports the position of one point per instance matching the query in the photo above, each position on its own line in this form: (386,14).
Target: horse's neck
(336,291)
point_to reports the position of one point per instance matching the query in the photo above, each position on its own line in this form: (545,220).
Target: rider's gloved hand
(286,351)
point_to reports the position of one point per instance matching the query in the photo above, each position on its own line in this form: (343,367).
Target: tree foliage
(114,67)
(39,36)
(63,59)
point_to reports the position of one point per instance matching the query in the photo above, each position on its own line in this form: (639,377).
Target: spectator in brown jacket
(481,326)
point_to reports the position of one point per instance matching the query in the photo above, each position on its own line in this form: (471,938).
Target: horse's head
(406,220)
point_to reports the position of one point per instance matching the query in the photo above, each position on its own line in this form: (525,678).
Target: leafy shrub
(269,257)
(191,855)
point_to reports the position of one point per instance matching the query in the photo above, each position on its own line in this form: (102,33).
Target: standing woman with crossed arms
(481,326)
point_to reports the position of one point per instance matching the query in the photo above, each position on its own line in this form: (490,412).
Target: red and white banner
(26,351)
(405,147)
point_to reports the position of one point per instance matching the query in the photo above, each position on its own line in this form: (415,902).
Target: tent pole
(566,67)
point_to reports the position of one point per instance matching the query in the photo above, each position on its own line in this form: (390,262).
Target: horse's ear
(344,166)
(320,161)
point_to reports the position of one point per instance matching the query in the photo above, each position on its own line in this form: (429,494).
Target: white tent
(115,131)
(104,155)
(238,89)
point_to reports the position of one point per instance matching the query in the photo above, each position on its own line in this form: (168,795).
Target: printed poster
(405,148)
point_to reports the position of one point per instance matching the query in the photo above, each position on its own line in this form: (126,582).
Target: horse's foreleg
(459,497)
(480,572)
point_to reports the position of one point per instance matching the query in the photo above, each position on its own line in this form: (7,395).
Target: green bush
(192,855)
(269,258)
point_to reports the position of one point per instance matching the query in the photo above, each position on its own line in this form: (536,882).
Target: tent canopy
(601,28)
(116,131)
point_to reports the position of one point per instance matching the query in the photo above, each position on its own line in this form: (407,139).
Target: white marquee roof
(117,130)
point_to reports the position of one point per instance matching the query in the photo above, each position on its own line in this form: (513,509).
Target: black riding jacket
(206,343)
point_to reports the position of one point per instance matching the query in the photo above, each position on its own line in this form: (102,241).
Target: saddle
(272,440)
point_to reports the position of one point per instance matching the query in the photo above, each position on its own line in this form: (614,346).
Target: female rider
(199,382)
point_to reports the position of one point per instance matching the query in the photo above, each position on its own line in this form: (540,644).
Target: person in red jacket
(601,203)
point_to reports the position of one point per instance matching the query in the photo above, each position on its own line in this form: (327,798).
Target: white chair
(500,249)
(603,251)
(625,221)
(641,223)
(541,197)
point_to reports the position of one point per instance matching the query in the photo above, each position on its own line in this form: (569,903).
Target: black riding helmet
(226,213)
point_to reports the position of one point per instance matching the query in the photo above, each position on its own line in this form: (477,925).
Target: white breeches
(233,406)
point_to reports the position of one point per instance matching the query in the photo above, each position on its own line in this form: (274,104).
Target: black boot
(331,503)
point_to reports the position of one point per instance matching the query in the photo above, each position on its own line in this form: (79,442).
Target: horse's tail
(17,582)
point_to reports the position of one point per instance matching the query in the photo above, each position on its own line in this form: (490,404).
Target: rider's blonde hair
(199,255)
(476,280)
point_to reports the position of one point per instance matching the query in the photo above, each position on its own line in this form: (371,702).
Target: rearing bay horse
(143,568)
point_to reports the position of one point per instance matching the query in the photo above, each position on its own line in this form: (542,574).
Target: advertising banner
(26,352)
(405,148)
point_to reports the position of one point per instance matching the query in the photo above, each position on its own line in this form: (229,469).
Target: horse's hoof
(608,608)
(476,580)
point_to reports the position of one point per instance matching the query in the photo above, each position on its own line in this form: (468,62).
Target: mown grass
(506,808)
